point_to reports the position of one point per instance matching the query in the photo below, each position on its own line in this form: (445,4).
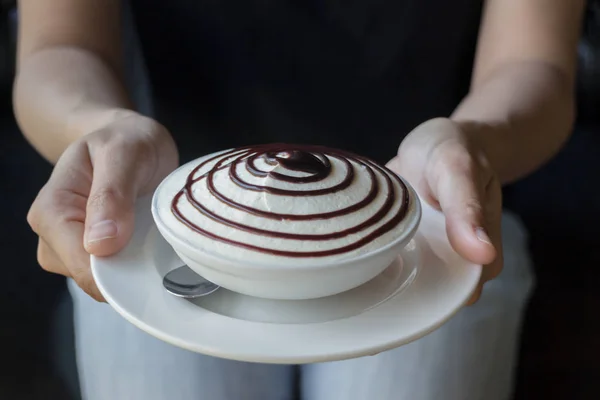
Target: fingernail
(101,231)
(482,235)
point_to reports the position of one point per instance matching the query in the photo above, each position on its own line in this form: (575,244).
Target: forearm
(62,93)
(521,116)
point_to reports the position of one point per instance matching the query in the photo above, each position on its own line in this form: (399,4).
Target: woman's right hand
(87,205)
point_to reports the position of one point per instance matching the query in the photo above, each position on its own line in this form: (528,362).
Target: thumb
(109,221)
(462,200)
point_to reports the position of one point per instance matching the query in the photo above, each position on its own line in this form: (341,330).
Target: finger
(58,215)
(461,194)
(494,221)
(475,296)
(74,256)
(49,260)
(110,207)
(494,225)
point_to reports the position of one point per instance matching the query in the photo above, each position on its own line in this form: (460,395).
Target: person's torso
(352,74)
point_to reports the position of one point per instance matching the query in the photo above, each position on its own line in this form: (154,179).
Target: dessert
(286,221)
(272,201)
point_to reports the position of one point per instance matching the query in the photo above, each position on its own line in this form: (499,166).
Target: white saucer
(408,300)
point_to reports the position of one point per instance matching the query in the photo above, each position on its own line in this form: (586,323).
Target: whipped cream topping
(284,201)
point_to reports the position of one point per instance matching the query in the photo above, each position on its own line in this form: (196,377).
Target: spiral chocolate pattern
(305,169)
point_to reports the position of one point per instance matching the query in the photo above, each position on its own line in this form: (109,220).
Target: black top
(357,75)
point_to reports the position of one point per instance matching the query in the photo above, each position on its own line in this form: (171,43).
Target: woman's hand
(87,206)
(452,174)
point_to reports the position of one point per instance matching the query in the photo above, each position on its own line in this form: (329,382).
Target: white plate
(410,299)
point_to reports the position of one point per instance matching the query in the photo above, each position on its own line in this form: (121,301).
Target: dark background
(560,205)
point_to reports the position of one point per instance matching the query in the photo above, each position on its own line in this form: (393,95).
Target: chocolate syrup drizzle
(312,160)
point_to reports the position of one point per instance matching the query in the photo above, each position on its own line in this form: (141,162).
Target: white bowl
(287,279)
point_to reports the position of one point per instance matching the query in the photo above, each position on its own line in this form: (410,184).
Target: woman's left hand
(452,174)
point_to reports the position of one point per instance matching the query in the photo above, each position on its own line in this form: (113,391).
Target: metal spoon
(184,282)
